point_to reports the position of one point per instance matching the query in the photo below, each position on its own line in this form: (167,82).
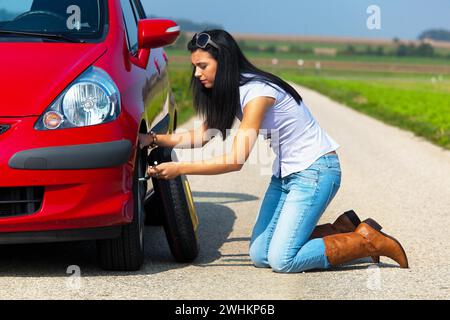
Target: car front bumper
(86,175)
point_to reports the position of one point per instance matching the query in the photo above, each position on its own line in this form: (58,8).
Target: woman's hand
(145,139)
(165,170)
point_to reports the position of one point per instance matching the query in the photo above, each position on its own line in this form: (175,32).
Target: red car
(79,80)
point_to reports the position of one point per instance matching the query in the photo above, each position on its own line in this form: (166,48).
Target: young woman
(306,171)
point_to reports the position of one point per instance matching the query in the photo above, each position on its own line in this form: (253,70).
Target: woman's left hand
(165,170)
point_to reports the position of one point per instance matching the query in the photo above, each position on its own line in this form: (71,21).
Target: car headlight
(90,100)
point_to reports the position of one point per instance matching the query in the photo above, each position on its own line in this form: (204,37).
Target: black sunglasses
(203,39)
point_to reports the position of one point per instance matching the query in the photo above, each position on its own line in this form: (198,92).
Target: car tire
(126,253)
(177,219)
(154,211)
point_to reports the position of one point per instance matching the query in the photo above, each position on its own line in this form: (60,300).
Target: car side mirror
(153,33)
(156,33)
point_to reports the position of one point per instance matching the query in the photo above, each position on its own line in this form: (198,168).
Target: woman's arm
(195,138)
(243,143)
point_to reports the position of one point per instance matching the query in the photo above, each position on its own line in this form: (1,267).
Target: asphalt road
(388,174)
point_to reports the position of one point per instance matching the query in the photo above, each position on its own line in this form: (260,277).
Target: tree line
(399,49)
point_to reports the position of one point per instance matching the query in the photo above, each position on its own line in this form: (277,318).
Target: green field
(388,48)
(414,104)
(179,80)
(419,102)
(356,58)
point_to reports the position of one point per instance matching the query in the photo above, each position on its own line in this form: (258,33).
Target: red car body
(76,183)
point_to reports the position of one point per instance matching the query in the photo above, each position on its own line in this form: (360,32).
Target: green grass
(358,74)
(388,47)
(340,58)
(179,80)
(353,58)
(419,106)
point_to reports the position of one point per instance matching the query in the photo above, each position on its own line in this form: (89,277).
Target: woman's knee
(287,265)
(279,262)
(258,256)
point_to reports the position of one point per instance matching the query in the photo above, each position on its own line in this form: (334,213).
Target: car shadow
(54,259)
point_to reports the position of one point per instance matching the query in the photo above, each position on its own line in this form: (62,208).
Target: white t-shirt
(296,138)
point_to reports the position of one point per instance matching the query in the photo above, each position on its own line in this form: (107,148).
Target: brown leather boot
(346,222)
(365,241)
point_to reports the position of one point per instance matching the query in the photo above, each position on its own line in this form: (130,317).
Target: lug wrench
(148,177)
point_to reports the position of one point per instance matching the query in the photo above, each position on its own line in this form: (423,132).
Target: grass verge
(419,106)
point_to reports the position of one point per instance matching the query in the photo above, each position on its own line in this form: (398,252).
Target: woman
(306,171)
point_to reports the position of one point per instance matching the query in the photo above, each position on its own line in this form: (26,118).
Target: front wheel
(179,217)
(126,253)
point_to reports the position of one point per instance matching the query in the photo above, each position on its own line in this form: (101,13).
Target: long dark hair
(219,105)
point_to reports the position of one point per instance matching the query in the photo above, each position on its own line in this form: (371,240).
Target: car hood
(33,74)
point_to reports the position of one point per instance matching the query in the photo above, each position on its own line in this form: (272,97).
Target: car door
(154,90)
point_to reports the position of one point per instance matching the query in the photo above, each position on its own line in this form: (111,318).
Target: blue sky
(405,19)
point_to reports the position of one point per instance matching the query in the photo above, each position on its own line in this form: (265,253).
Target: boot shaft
(365,241)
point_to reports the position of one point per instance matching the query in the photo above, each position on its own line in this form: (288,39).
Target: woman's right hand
(145,140)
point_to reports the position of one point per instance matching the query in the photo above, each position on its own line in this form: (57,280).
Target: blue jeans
(291,208)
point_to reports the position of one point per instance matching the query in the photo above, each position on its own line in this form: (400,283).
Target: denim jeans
(291,208)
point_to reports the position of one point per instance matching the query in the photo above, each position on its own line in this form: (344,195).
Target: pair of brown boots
(348,239)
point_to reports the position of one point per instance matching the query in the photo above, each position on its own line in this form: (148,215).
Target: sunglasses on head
(203,39)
